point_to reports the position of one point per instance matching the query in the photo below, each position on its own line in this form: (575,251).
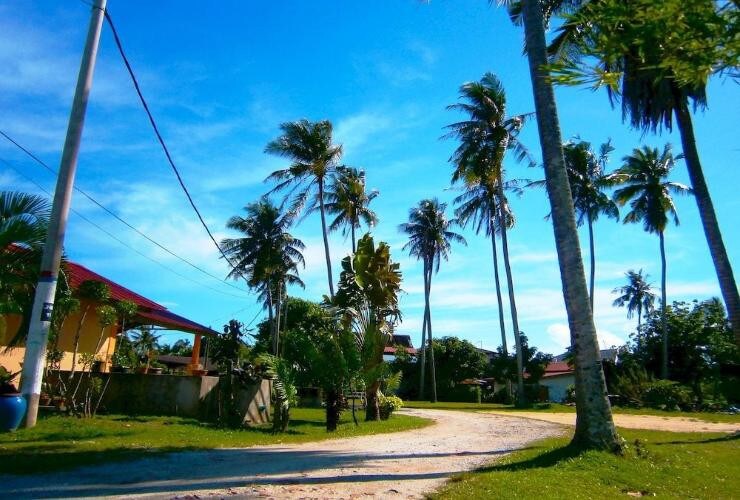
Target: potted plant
(12,404)
(121,363)
(156,368)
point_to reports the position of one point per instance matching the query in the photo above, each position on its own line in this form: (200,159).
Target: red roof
(557,368)
(392,350)
(149,313)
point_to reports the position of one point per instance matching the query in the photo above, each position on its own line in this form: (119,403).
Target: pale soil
(651,422)
(401,465)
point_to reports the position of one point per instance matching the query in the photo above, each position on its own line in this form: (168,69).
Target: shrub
(389,404)
(667,395)
(570,394)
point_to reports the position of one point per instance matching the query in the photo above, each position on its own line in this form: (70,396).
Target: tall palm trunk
(721,261)
(498,289)
(271,320)
(278,310)
(594,424)
(423,344)
(326,237)
(432,370)
(354,243)
(663,327)
(593,263)
(521,398)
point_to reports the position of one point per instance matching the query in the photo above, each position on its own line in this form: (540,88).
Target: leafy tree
(457,360)
(636,295)
(90,293)
(504,367)
(430,239)
(657,58)
(701,344)
(314,157)
(367,305)
(349,201)
(267,255)
(145,343)
(644,176)
(594,423)
(485,137)
(181,347)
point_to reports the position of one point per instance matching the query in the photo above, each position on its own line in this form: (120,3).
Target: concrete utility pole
(43,302)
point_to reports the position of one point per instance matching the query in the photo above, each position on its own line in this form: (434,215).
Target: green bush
(389,404)
(667,395)
(570,394)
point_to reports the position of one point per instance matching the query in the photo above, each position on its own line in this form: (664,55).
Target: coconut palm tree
(23,222)
(636,295)
(145,342)
(430,239)
(267,255)
(313,157)
(587,181)
(594,423)
(658,76)
(349,201)
(485,137)
(644,175)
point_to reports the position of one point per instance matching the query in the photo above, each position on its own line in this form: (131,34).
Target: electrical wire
(114,237)
(162,143)
(118,218)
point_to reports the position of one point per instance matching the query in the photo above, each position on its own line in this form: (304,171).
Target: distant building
(389,352)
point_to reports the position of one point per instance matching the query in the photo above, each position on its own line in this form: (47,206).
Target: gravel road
(401,465)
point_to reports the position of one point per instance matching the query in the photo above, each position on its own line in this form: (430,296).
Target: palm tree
(648,51)
(587,180)
(636,295)
(649,194)
(348,200)
(314,157)
(485,137)
(145,343)
(23,222)
(594,423)
(430,239)
(267,255)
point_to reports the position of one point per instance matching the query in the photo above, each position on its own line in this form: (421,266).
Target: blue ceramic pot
(12,409)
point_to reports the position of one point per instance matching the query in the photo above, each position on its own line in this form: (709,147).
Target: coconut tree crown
(430,232)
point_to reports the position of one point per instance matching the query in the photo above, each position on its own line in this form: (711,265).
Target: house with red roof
(93,338)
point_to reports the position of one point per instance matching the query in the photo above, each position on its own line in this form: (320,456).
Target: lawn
(559,408)
(61,442)
(662,464)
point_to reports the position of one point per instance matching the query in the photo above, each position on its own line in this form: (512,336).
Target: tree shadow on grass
(721,439)
(544,460)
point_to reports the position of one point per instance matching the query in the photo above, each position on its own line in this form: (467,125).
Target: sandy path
(402,465)
(652,422)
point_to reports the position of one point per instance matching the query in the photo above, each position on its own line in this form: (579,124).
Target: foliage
(284,389)
(348,200)
(228,349)
(647,52)
(570,394)
(504,367)
(457,360)
(181,347)
(6,381)
(667,395)
(702,348)
(388,405)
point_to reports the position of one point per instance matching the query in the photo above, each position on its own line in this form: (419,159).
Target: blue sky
(220,77)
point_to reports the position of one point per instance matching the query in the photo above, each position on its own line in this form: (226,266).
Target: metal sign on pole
(43,302)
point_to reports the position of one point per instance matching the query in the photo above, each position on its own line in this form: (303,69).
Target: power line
(116,216)
(111,235)
(162,143)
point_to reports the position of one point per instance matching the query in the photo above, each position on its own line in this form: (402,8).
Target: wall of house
(91,340)
(557,386)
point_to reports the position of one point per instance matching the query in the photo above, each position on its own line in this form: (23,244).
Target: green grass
(59,442)
(665,464)
(559,408)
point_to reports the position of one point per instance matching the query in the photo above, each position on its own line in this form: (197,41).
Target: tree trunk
(498,291)
(708,217)
(594,424)
(521,398)
(326,237)
(593,264)
(77,343)
(271,320)
(423,344)
(333,409)
(372,410)
(354,244)
(432,370)
(663,304)
(278,303)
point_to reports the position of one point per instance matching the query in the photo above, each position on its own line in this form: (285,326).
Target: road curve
(403,465)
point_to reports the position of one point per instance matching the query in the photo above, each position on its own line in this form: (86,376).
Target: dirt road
(401,465)
(653,422)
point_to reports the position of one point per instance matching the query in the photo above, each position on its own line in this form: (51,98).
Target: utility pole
(43,302)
